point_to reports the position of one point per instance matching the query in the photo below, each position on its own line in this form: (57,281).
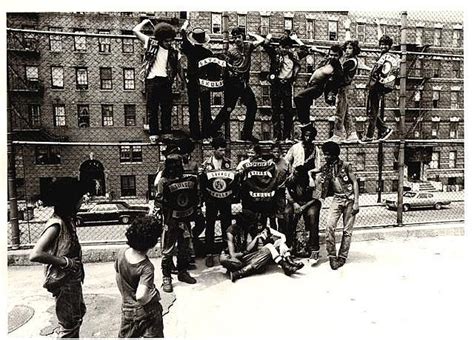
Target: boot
(334,263)
(341,261)
(288,269)
(185,277)
(241,273)
(297,265)
(167,285)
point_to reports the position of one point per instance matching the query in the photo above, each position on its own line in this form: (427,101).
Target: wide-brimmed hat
(198,36)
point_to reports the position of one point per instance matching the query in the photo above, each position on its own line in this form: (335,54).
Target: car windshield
(409,194)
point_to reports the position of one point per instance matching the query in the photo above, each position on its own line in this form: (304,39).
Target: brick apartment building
(88,88)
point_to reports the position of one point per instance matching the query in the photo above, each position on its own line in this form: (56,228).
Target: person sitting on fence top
(160,67)
(337,178)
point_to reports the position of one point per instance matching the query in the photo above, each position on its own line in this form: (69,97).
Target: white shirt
(286,71)
(159,66)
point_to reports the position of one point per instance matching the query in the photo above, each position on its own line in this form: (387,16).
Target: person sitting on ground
(141,308)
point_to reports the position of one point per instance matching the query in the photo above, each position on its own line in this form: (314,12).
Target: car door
(422,200)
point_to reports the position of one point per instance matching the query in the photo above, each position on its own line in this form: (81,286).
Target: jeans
(234,89)
(281,93)
(344,119)
(340,205)
(258,260)
(142,321)
(174,233)
(311,221)
(159,96)
(373,105)
(199,98)
(70,309)
(304,99)
(212,208)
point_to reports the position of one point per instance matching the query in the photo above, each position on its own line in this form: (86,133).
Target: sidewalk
(390,261)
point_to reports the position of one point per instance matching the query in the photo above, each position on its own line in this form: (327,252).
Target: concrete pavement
(397,285)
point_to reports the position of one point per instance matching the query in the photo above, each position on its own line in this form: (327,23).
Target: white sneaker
(335,139)
(153,139)
(353,137)
(314,258)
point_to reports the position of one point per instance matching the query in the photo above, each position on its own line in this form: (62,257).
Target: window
(266,95)
(436,68)
(31,73)
(452,159)
(288,24)
(457,38)
(59,113)
(80,43)
(437,37)
(456,64)
(264,25)
(395,185)
(242,21)
(34,115)
(216,99)
(130,116)
(127,43)
(128,79)
(454,130)
(216,23)
(47,154)
(360,161)
(107,115)
(130,153)
(332,30)
(360,32)
(30,42)
(434,129)
(105,78)
(310,29)
(332,124)
(434,164)
(455,99)
(83,116)
(360,129)
(81,78)
(435,98)
(127,185)
(104,43)
(419,35)
(57,77)
(417,98)
(361,183)
(55,41)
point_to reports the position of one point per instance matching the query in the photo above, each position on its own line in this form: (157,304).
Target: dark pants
(173,233)
(281,95)
(159,97)
(70,309)
(373,105)
(233,90)
(143,321)
(304,99)
(311,221)
(199,98)
(258,260)
(212,209)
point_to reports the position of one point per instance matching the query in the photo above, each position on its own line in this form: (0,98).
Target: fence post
(225,46)
(401,126)
(15,229)
(380,157)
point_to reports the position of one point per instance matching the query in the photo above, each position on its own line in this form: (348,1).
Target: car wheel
(437,206)
(125,219)
(406,207)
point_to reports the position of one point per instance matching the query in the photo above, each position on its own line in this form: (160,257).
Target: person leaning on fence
(215,205)
(198,96)
(344,127)
(58,247)
(236,83)
(336,177)
(161,65)
(284,68)
(141,308)
(325,79)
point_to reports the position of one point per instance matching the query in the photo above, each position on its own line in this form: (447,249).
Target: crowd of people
(274,190)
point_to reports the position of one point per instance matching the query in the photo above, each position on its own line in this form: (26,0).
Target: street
(388,289)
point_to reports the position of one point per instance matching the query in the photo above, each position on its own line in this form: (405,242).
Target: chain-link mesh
(74,79)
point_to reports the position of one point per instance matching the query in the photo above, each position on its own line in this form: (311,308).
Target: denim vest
(329,182)
(150,57)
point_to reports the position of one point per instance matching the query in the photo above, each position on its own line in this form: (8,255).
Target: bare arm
(258,39)
(379,29)
(144,294)
(294,37)
(251,245)
(137,30)
(355,207)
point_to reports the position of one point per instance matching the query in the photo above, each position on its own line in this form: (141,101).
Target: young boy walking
(141,308)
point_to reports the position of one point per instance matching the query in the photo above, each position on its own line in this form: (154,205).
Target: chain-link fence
(75,83)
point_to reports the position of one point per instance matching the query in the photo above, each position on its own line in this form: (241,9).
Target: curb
(107,253)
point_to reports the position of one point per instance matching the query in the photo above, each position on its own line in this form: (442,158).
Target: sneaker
(353,137)
(153,139)
(314,257)
(185,277)
(366,140)
(386,133)
(341,261)
(209,260)
(167,285)
(335,139)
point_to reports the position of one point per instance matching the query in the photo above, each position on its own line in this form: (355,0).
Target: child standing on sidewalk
(141,308)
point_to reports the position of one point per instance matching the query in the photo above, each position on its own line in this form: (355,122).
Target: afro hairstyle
(143,232)
(355,46)
(386,40)
(64,192)
(237,31)
(331,148)
(218,142)
(164,31)
(336,48)
(286,42)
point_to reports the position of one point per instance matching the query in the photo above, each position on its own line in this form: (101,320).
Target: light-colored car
(421,199)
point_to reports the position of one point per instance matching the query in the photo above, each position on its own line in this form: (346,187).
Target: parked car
(110,212)
(421,199)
